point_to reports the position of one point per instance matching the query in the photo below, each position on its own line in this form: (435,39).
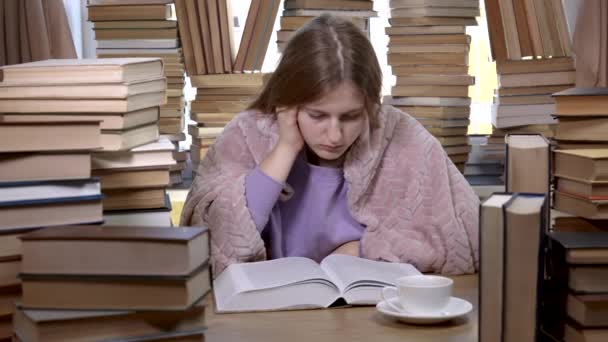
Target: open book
(301,283)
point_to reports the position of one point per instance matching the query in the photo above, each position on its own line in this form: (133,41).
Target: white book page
(275,284)
(349,272)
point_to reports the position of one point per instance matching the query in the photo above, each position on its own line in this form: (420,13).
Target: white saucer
(456,308)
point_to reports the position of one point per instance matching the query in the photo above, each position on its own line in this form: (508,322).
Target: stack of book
(485,165)
(218,100)
(176,175)
(531,46)
(146,28)
(122,95)
(581,158)
(134,184)
(575,300)
(91,283)
(297,13)
(523,102)
(45,161)
(428,52)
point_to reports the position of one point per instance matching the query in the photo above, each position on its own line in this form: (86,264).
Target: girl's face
(331,124)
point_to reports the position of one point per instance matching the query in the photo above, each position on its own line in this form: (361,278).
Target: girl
(317,165)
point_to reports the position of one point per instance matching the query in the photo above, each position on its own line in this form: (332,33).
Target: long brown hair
(321,55)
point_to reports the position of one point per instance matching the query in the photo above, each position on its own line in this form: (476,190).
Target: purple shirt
(313,222)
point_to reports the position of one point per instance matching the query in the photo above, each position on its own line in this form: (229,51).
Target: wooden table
(341,324)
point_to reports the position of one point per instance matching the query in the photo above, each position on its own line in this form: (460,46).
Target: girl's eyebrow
(318,111)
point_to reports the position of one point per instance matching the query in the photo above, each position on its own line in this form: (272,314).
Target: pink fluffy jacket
(416,206)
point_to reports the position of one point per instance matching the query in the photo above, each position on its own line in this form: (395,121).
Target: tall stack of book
(531,46)
(45,163)
(146,28)
(582,153)
(428,52)
(523,102)
(575,299)
(91,283)
(123,95)
(297,13)
(134,183)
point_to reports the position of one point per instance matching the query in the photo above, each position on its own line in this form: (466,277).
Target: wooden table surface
(341,324)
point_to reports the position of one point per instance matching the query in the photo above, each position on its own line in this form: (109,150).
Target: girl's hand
(290,137)
(349,248)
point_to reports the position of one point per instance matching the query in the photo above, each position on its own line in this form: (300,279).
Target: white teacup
(421,294)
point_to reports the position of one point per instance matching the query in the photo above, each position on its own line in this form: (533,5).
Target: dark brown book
(579,224)
(133,179)
(162,251)
(582,102)
(70,325)
(141,293)
(134,199)
(9,295)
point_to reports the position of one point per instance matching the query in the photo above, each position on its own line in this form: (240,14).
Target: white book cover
(48,190)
